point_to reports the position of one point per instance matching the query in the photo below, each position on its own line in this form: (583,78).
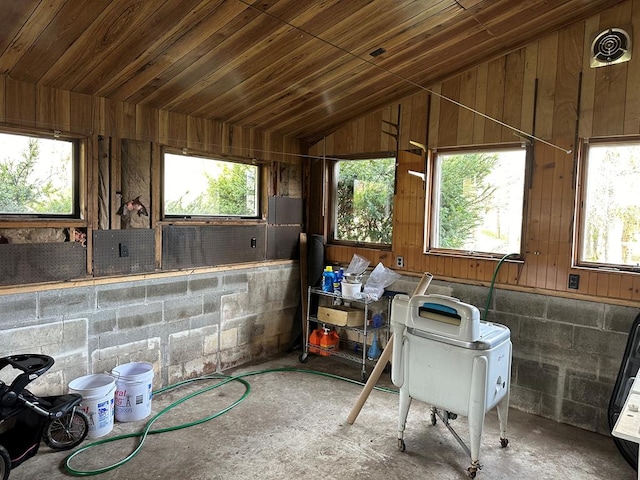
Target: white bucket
(351,290)
(134,383)
(97,401)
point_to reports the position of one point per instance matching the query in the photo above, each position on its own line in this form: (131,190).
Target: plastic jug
(314,340)
(329,341)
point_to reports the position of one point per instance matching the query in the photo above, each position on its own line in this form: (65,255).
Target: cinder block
(120,294)
(609,367)
(236,281)
(185,346)
(16,310)
(525,400)
(582,364)
(103,321)
(136,316)
(520,303)
(211,302)
(182,308)
(619,318)
(591,340)
(32,338)
(234,306)
(75,334)
(66,301)
(579,312)
(543,378)
(590,392)
(509,320)
(211,342)
(473,295)
(163,289)
(204,283)
(547,333)
(579,415)
(228,339)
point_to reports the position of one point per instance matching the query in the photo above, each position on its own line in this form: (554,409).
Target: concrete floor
(293,425)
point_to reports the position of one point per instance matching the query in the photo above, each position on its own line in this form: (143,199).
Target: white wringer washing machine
(445,356)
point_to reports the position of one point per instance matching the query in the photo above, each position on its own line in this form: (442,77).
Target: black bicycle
(26,419)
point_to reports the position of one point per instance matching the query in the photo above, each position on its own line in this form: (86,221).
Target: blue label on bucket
(105,413)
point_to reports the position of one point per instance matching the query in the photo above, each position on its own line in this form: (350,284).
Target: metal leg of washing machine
(403,411)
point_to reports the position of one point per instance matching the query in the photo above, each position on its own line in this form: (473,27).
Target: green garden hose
(493,281)
(224,379)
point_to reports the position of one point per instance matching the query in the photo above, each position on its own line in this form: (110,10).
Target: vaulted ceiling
(296,67)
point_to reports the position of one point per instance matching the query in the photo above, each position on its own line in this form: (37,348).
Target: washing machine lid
(491,335)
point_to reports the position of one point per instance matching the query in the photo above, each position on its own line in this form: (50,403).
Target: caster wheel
(473,469)
(364,377)
(303,357)
(434,419)
(504,442)
(401,445)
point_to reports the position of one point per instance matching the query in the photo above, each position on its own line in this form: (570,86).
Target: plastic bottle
(374,350)
(337,278)
(327,279)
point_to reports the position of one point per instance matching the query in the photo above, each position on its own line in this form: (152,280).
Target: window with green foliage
(610,208)
(478,201)
(37,176)
(198,186)
(364,200)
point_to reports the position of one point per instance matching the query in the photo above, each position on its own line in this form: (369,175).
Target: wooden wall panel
(549,81)
(495,100)
(632,98)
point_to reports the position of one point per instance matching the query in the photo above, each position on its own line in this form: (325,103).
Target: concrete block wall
(185,325)
(566,352)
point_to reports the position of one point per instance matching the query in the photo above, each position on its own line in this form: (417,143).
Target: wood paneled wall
(31,106)
(546,89)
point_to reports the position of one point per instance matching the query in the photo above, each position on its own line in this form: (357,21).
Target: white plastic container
(351,290)
(134,383)
(97,401)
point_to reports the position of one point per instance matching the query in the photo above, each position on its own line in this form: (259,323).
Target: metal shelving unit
(362,332)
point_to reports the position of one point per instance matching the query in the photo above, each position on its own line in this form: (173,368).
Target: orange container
(314,340)
(329,341)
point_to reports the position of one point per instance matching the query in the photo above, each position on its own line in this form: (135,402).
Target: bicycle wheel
(68,431)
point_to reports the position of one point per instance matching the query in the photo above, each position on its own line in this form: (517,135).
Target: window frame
(260,183)
(332,198)
(78,160)
(580,203)
(432,202)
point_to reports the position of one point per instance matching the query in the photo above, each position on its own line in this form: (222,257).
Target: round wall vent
(610,46)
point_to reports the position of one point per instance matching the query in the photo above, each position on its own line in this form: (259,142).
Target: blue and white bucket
(134,384)
(97,401)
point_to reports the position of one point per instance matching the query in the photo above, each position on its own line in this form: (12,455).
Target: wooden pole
(384,358)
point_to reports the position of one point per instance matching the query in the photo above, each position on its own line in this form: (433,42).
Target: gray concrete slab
(293,425)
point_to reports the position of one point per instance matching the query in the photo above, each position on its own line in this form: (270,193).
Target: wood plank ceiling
(297,67)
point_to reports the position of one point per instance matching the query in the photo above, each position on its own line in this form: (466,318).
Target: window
(199,186)
(37,176)
(610,213)
(363,210)
(478,201)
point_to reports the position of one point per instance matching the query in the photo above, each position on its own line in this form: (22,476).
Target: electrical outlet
(400,262)
(124,250)
(574,281)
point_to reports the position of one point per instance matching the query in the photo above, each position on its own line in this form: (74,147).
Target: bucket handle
(117,377)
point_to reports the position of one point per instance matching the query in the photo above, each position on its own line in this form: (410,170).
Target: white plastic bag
(380,278)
